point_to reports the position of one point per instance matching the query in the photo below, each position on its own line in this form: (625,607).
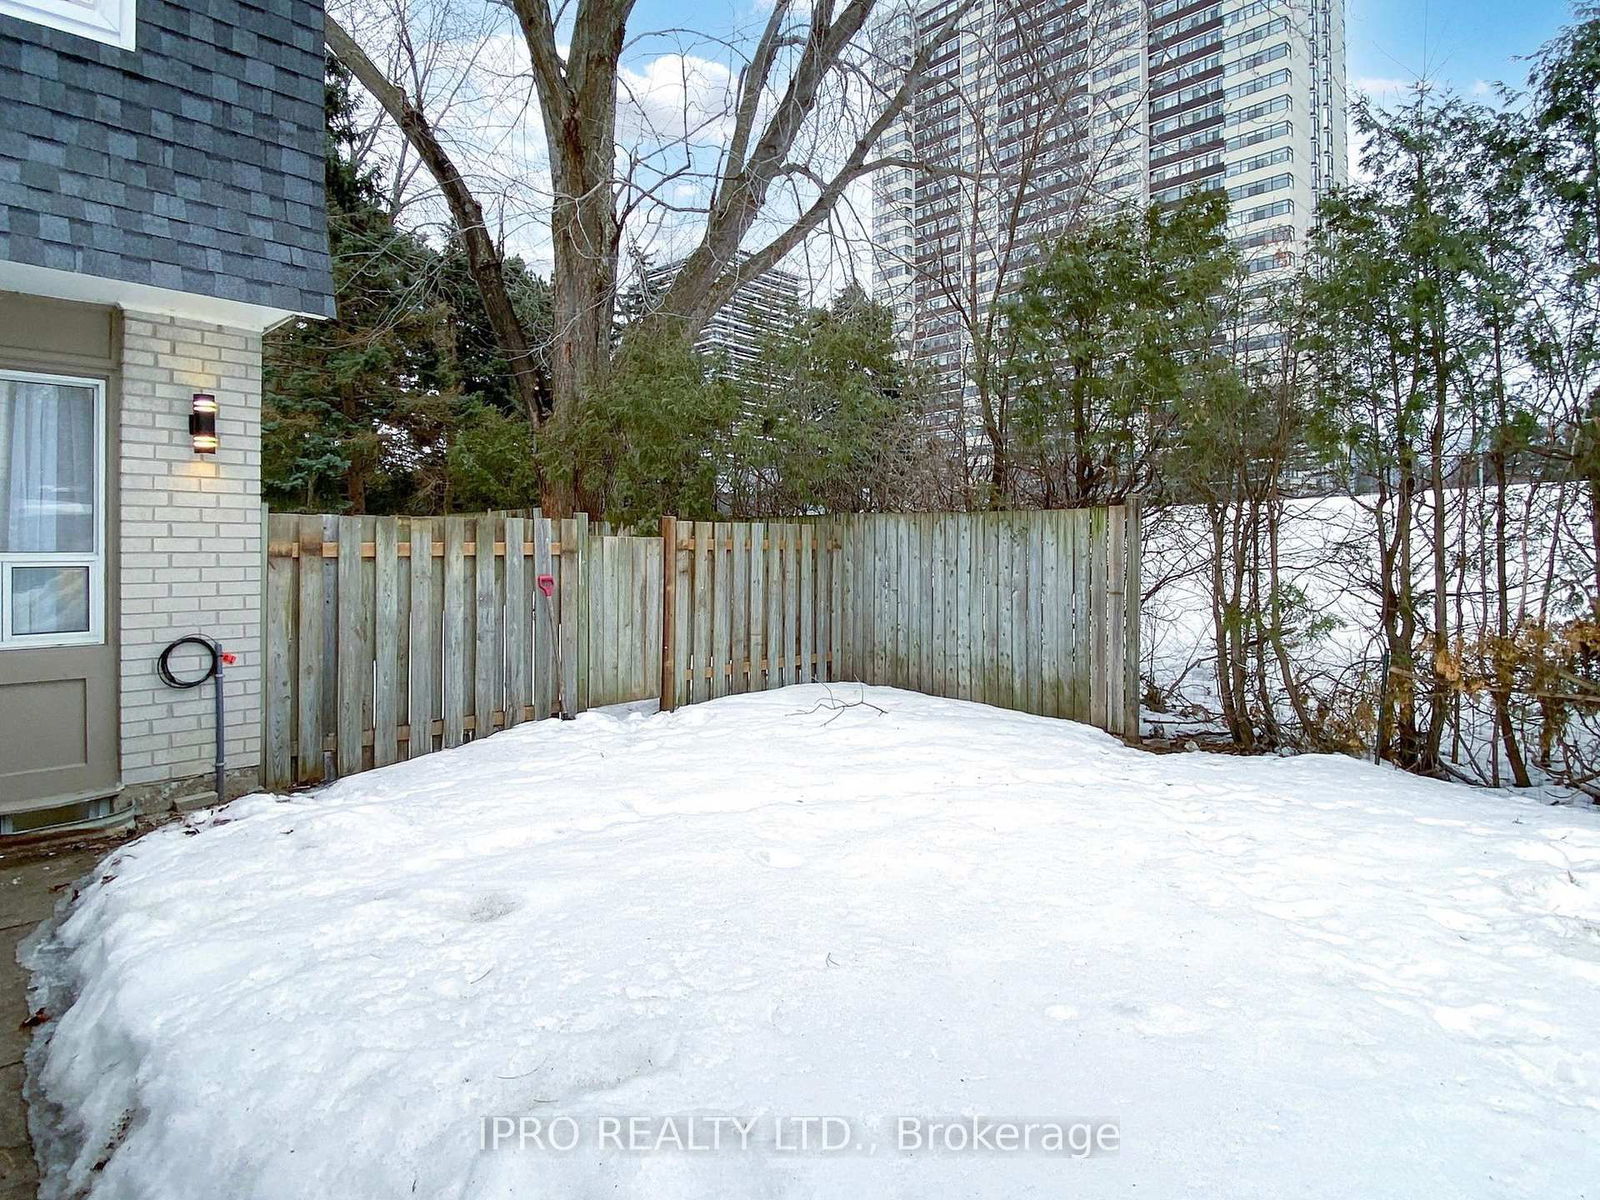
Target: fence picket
(1116,712)
(758,607)
(569,584)
(938,583)
(277,767)
(670,664)
(601,591)
(1083,614)
(308,653)
(386,643)
(518,645)
(740,599)
(1097,617)
(774,607)
(1132,605)
(683,622)
(582,633)
(650,603)
(455,675)
(721,609)
(1048,598)
(354,666)
(835,558)
(426,614)
(704,584)
(919,583)
(546,645)
(806,610)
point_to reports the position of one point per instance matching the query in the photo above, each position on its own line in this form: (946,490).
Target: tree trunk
(1297,701)
(1439,680)
(1221,621)
(1503,653)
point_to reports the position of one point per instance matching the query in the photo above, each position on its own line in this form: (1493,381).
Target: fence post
(581,686)
(669,613)
(1132,604)
(570,582)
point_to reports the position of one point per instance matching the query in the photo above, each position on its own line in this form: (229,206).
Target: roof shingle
(192,162)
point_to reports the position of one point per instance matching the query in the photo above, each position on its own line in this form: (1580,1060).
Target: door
(58,714)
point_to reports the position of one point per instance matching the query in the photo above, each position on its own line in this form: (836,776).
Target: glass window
(109,21)
(49,600)
(47,440)
(51,537)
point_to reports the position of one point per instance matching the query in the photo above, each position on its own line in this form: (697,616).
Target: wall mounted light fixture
(203,423)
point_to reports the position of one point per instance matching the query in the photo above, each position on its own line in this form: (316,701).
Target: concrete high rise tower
(1037,113)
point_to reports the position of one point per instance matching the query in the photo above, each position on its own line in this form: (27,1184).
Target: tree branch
(484,260)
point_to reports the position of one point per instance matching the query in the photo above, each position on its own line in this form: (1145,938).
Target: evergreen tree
(352,406)
(831,419)
(1565,83)
(655,431)
(1416,279)
(1112,329)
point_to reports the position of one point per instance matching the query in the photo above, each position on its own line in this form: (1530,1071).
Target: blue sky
(1460,42)
(1464,44)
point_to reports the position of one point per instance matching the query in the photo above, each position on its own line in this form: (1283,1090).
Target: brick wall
(190,529)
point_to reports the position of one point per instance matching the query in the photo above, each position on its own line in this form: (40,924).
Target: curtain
(47,485)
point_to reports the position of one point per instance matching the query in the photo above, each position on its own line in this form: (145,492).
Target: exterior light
(203,424)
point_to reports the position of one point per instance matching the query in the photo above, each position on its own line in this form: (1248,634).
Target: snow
(1303,976)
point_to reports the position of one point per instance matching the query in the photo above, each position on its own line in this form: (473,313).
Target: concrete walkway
(32,881)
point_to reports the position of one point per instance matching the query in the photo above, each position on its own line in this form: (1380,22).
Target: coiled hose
(213,671)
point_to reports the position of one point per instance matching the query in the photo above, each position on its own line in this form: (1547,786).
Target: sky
(1465,43)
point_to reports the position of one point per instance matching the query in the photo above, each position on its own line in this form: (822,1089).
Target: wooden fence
(748,606)
(1037,611)
(388,638)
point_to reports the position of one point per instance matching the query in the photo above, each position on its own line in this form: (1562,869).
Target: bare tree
(484,256)
(801,125)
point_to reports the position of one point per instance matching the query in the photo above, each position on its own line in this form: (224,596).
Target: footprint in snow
(1164,1020)
(781,860)
(491,906)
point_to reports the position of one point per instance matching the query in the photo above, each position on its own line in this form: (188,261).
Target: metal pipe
(213,672)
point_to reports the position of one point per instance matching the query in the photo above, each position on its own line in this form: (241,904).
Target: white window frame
(95,561)
(108,21)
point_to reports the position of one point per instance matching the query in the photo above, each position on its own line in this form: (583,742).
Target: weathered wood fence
(748,606)
(389,637)
(1037,611)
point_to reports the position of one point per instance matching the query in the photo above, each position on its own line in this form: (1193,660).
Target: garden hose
(213,671)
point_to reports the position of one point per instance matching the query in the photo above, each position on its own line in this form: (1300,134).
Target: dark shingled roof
(193,162)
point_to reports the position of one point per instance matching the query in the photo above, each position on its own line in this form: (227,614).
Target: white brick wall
(190,541)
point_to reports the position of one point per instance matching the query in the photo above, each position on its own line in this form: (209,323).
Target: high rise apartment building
(1036,113)
(764,307)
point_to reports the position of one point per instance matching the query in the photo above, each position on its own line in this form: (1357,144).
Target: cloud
(675,97)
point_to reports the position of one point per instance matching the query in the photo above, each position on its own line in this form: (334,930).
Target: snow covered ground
(1300,977)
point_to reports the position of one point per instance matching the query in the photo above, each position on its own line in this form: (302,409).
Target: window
(109,21)
(52,511)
